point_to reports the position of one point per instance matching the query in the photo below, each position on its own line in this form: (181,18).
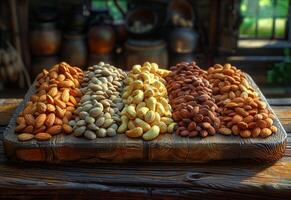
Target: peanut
(237,99)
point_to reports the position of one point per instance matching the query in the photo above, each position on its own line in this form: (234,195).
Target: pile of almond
(190,96)
(49,110)
(242,111)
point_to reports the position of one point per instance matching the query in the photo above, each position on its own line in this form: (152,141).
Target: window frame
(287,34)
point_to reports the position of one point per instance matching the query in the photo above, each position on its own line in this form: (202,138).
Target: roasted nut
(25,136)
(42,136)
(50,102)
(235,130)
(265,132)
(256,132)
(245,133)
(225,131)
(237,99)
(190,96)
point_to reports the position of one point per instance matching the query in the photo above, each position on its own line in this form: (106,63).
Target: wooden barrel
(140,51)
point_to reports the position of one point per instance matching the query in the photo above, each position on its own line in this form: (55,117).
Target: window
(264,19)
(109,4)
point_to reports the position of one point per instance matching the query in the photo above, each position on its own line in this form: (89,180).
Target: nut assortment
(242,111)
(49,110)
(98,112)
(190,95)
(104,101)
(146,112)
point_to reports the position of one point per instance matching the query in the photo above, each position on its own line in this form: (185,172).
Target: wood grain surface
(168,148)
(214,180)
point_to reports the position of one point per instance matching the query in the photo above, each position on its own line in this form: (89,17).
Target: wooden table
(215,180)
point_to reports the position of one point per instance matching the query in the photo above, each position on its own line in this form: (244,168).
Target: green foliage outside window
(281,72)
(109,4)
(262,12)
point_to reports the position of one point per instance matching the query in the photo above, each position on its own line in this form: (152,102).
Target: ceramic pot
(182,40)
(101,39)
(141,23)
(74,50)
(140,51)
(45,39)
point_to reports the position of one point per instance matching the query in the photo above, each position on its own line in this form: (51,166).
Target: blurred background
(253,35)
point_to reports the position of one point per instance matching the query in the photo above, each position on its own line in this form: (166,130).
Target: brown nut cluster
(49,110)
(242,111)
(190,96)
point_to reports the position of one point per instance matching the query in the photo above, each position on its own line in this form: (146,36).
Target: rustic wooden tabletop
(215,180)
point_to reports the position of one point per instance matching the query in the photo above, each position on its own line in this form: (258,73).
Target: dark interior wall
(5,19)
(63,6)
(202,9)
(59,3)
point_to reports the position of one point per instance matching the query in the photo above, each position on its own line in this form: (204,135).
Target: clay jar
(183,40)
(45,39)
(101,39)
(141,23)
(140,51)
(74,49)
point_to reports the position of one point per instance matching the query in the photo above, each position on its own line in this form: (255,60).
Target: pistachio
(101,132)
(87,107)
(79,131)
(89,120)
(97,110)
(107,123)
(81,123)
(111,132)
(99,122)
(92,127)
(83,115)
(90,135)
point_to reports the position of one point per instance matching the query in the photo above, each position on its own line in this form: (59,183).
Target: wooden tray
(166,148)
